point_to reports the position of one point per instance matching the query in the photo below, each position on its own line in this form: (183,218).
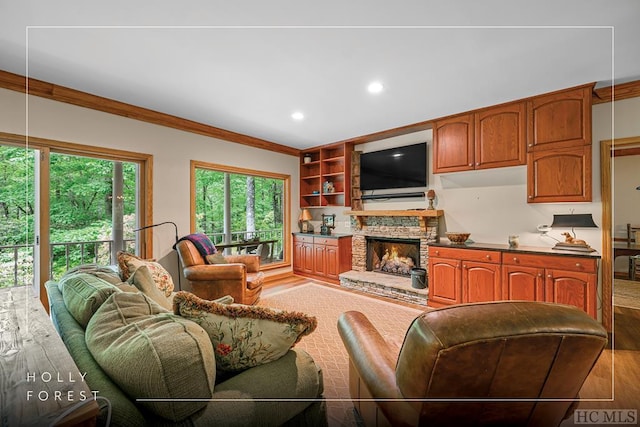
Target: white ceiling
(245,66)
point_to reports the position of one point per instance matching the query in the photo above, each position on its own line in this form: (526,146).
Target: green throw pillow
(83,294)
(153,354)
(142,279)
(244,336)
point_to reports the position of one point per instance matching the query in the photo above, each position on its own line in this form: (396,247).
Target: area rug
(626,293)
(325,345)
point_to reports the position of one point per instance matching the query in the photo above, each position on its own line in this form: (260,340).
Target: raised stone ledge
(385,285)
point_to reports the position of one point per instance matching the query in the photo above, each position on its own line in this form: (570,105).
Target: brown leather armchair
(512,363)
(241,277)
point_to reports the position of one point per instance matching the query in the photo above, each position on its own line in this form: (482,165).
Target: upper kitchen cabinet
(453,144)
(500,136)
(560,119)
(559,146)
(488,138)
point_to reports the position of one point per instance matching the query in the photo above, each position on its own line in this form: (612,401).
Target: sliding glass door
(65,204)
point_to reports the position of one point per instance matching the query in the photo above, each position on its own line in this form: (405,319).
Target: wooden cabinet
(489,138)
(453,144)
(559,146)
(458,275)
(325,178)
(550,133)
(322,257)
(560,279)
(501,136)
(445,281)
(562,175)
(560,119)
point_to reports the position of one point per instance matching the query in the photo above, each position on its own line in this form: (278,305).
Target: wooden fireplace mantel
(422,215)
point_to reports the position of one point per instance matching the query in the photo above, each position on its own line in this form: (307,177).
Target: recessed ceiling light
(297,115)
(375,87)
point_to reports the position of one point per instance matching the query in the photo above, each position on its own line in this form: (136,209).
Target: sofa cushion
(128,263)
(244,336)
(153,354)
(83,294)
(142,279)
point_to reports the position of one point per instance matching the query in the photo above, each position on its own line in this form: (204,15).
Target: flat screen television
(399,167)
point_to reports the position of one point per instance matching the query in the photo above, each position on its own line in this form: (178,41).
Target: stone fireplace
(415,227)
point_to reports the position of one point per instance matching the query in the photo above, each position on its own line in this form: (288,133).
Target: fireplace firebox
(392,255)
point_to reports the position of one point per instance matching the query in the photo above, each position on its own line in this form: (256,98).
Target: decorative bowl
(456,237)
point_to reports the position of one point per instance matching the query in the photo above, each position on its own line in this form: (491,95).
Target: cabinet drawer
(585,265)
(325,241)
(493,257)
(305,239)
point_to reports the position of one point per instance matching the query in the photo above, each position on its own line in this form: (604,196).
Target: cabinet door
(331,260)
(298,255)
(453,144)
(307,258)
(480,282)
(522,283)
(445,286)
(319,266)
(500,136)
(560,119)
(559,175)
(571,288)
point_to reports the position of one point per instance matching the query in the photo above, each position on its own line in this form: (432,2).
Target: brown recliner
(240,277)
(503,363)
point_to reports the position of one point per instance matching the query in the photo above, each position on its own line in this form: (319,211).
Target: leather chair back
(515,351)
(189,254)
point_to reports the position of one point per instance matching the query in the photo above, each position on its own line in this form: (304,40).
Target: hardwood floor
(614,382)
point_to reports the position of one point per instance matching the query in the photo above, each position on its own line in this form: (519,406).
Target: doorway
(606,180)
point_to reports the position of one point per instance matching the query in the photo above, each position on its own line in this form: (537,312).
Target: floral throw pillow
(128,263)
(244,336)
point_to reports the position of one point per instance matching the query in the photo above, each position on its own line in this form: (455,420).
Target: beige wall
(172,152)
(491,204)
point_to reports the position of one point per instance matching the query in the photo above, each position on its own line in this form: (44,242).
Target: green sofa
(287,391)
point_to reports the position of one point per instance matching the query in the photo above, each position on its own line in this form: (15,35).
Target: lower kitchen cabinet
(321,257)
(471,274)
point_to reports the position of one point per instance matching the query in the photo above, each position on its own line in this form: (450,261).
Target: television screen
(399,167)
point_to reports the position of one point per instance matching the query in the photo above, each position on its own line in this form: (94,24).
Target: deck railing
(16,261)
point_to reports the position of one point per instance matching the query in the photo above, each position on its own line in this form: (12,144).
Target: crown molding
(67,95)
(616,92)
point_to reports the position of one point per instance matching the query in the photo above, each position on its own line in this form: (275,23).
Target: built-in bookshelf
(325,176)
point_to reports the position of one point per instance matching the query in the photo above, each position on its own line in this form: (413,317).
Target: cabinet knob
(578,265)
(515,259)
(531,197)
(488,256)
(530,145)
(437,252)
(477,164)
(539,274)
(466,266)
(470,164)
(549,276)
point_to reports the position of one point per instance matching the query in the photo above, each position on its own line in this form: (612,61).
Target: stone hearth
(409,224)
(385,285)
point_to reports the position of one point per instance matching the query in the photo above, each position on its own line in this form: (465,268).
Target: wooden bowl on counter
(457,238)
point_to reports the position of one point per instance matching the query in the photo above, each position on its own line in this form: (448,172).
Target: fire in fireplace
(392,255)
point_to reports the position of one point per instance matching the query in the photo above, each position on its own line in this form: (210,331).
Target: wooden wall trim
(616,93)
(67,95)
